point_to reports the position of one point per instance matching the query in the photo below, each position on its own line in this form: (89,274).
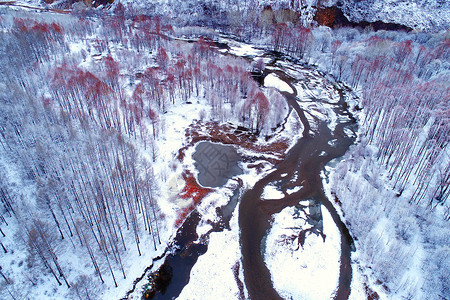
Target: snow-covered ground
(74,259)
(420,15)
(388,246)
(271,192)
(274,81)
(308,272)
(241,49)
(316,94)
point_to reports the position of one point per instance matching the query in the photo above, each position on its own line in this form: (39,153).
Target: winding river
(302,166)
(306,160)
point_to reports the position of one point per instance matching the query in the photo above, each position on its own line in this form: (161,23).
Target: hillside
(418,15)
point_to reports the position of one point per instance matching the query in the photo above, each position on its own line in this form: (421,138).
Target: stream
(216,164)
(302,166)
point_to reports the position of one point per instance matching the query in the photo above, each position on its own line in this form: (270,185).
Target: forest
(89,103)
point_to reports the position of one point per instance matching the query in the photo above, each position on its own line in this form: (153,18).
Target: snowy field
(213,274)
(274,81)
(308,272)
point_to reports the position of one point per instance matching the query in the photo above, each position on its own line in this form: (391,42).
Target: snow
(311,272)
(274,81)
(271,192)
(175,120)
(316,94)
(293,190)
(357,291)
(393,241)
(318,261)
(241,49)
(212,275)
(75,260)
(419,15)
(137,295)
(293,129)
(433,15)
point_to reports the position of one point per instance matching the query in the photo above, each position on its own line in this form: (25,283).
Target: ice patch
(213,275)
(271,192)
(239,49)
(311,272)
(274,81)
(294,190)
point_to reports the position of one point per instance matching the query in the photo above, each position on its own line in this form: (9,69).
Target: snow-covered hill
(417,14)
(430,15)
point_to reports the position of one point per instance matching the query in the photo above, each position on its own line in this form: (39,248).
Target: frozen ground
(316,95)
(387,248)
(431,15)
(240,49)
(420,15)
(274,81)
(75,260)
(308,272)
(213,274)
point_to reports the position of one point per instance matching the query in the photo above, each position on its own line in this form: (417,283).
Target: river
(305,159)
(302,166)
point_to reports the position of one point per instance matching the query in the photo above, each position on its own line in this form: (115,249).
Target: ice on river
(308,273)
(274,81)
(272,192)
(241,49)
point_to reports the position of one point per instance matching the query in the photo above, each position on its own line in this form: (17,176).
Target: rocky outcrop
(333,17)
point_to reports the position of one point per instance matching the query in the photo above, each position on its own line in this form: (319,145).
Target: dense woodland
(83,102)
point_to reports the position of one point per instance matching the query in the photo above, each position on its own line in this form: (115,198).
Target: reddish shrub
(192,190)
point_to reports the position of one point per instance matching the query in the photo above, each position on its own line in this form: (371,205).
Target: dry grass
(192,190)
(239,283)
(232,135)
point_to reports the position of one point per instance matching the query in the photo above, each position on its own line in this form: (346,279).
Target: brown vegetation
(192,190)
(239,282)
(233,135)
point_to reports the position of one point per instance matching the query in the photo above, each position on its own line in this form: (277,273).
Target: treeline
(88,187)
(397,178)
(88,97)
(394,184)
(79,182)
